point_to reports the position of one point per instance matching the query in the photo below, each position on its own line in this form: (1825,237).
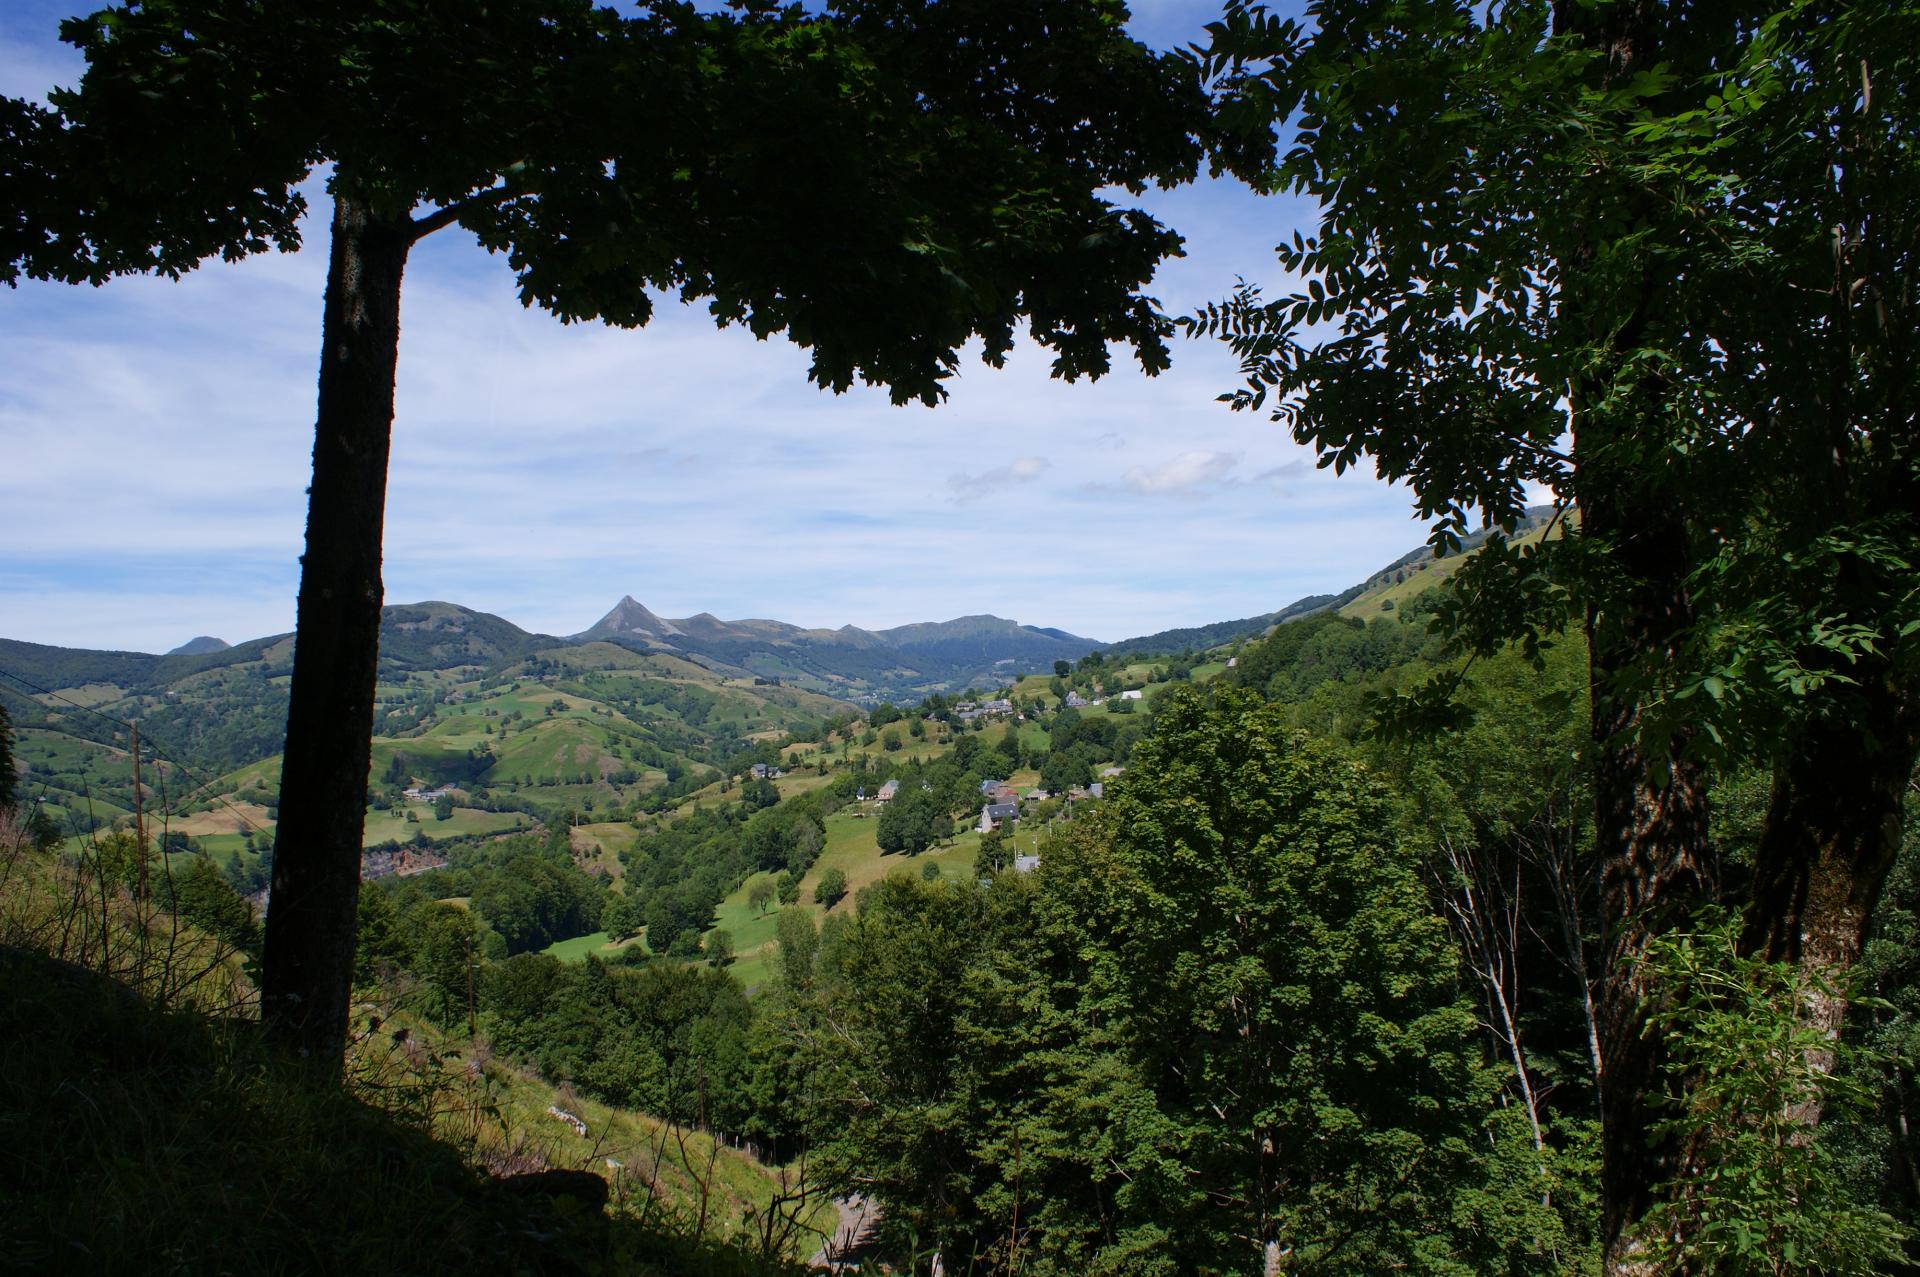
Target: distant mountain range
(967,651)
(902,663)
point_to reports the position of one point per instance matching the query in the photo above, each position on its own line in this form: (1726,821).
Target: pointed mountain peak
(630,618)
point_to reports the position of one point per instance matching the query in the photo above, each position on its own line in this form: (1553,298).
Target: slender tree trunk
(1488,929)
(1557,859)
(307,966)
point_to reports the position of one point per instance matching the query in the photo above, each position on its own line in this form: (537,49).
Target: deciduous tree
(1655,259)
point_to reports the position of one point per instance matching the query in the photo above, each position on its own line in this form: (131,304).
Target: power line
(153,746)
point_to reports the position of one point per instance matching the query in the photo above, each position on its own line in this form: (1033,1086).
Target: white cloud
(972,487)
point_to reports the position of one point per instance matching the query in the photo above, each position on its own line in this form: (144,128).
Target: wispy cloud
(1283,474)
(972,487)
(1186,474)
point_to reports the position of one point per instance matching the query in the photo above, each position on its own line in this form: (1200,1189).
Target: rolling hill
(635,711)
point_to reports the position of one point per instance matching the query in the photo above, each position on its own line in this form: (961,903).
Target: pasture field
(393,826)
(597,943)
(850,848)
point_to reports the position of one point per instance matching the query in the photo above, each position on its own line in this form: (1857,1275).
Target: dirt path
(851,1236)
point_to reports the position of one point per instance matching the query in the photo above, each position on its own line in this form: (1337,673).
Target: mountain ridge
(902,662)
(911,659)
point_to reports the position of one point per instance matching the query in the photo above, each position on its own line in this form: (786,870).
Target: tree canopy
(881,182)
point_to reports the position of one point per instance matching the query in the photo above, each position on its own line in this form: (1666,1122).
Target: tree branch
(449,214)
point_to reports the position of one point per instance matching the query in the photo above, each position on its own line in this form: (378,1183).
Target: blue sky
(158,438)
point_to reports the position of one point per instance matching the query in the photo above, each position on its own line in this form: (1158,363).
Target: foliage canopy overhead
(881,182)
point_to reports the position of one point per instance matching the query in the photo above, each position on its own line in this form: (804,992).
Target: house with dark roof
(994,815)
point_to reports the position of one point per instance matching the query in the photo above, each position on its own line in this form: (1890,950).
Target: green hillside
(522,734)
(1413,574)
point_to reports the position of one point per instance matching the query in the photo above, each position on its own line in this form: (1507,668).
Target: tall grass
(147,1126)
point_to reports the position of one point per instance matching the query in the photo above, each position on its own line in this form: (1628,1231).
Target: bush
(831,889)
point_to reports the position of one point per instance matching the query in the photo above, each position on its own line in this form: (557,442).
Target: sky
(156,438)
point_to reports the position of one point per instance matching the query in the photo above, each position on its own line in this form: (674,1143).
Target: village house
(994,815)
(1077,701)
(1025,864)
(761,771)
(887,791)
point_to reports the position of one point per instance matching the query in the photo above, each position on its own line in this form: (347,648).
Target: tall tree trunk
(307,966)
(1650,801)
(1650,830)
(1832,831)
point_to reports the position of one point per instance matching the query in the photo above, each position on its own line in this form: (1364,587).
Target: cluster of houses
(1077,701)
(967,711)
(404,861)
(1003,800)
(761,771)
